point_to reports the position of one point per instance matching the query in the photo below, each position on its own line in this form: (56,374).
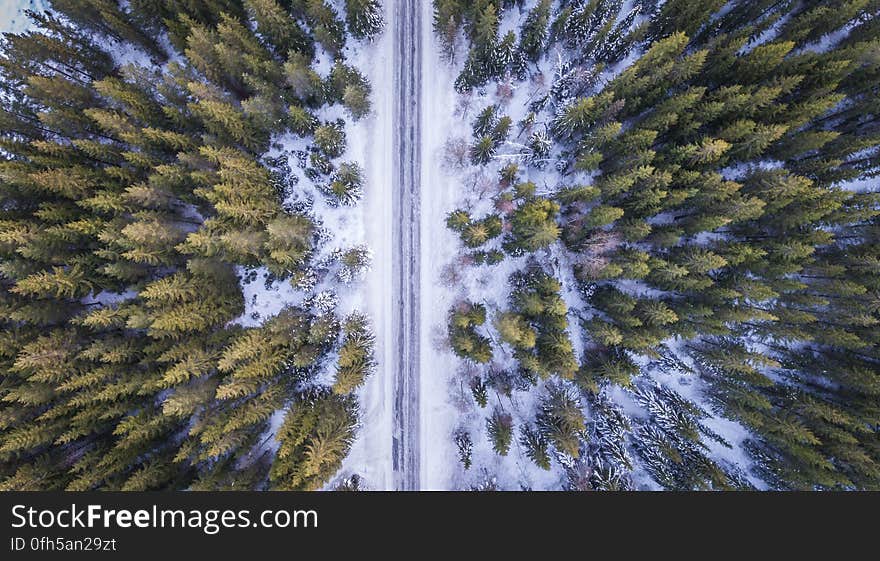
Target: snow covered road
(407,21)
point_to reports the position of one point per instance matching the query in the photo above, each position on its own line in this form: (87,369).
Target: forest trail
(406,24)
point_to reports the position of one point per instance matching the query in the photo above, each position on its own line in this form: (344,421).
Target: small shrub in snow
(354,263)
(346,186)
(539,148)
(351,483)
(487,483)
(465,448)
(330,139)
(324,302)
(480,391)
(304,279)
(455,153)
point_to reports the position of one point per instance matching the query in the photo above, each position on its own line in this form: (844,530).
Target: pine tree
(561,420)
(500,429)
(356,354)
(533,35)
(535,444)
(466,342)
(283,33)
(105,16)
(533,226)
(515,331)
(683,16)
(328,30)
(351,88)
(316,435)
(364,18)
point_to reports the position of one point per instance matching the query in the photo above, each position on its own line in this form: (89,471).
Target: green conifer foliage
(133,197)
(315,437)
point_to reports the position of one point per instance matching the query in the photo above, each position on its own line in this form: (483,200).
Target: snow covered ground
(12,16)
(439,248)
(370,142)
(447,404)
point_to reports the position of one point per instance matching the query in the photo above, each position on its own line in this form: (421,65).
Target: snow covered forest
(646,252)
(668,243)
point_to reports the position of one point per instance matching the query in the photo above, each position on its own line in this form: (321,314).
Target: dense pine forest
(676,187)
(144,172)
